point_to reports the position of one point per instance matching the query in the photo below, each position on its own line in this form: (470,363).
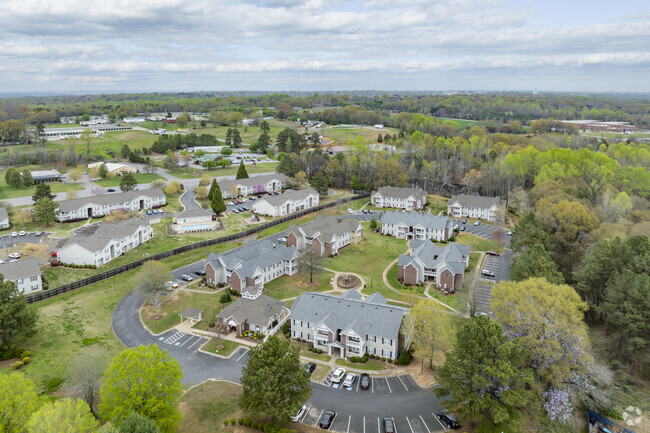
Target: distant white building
(108,241)
(399,198)
(475,206)
(416,225)
(287,203)
(25,273)
(115,168)
(253,185)
(87,207)
(4,218)
(134,120)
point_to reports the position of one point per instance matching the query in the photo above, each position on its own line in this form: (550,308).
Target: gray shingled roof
(3,213)
(398,192)
(191,213)
(426,220)
(252,181)
(336,312)
(256,311)
(256,253)
(328,227)
(277,200)
(476,201)
(352,294)
(20,269)
(432,255)
(106,232)
(109,199)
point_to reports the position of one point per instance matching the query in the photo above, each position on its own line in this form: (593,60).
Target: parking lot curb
(216,355)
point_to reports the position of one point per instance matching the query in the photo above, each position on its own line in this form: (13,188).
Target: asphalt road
(9,241)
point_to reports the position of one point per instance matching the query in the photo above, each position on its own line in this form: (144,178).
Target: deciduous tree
(18,401)
(274,383)
(75,175)
(138,423)
(535,262)
(84,376)
(144,380)
(27,178)
(65,415)
(174,187)
(151,281)
(431,329)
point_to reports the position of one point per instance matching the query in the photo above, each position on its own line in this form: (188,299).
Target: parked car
(39,234)
(22,233)
(95,179)
(449,419)
(245,208)
(200,272)
(350,211)
(186,277)
(148,212)
(300,414)
(463,222)
(327,419)
(14,234)
(477,223)
(110,190)
(231,203)
(170,285)
(509,233)
(161,211)
(364,211)
(14,255)
(310,367)
(154,211)
(488,273)
(369,210)
(283,239)
(338,375)
(491,253)
(259,196)
(364,381)
(463,228)
(389,425)
(235,211)
(456,227)
(349,379)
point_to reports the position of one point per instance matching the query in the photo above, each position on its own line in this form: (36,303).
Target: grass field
(109,145)
(206,406)
(191,173)
(228,347)
(478,243)
(139,177)
(370,365)
(341,136)
(177,302)
(7,191)
(289,287)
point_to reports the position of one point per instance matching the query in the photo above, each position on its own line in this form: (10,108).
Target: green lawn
(206,406)
(369,258)
(139,177)
(479,244)
(341,136)
(177,302)
(306,353)
(249,134)
(358,204)
(291,286)
(7,191)
(191,172)
(283,226)
(228,347)
(473,260)
(370,365)
(109,145)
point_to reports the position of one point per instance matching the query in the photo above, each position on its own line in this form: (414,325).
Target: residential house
(248,267)
(399,198)
(25,273)
(416,225)
(258,313)
(253,185)
(445,266)
(4,218)
(101,243)
(286,203)
(87,207)
(115,168)
(348,323)
(476,206)
(326,235)
(194,220)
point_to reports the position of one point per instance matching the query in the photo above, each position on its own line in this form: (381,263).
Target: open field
(206,406)
(191,172)
(288,287)
(177,302)
(7,191)
(478,243)
(341,135)
(107,146)
(139,177)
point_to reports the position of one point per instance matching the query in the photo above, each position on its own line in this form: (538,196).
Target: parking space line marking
(443,427)
(378,428)
(193,344)
(245,352)
(349,419)
(364,424)
(318,419)
(400,379)
(391,391)
(332,422)
(407,420)
(372,385)
(425,424)
(191,337)
(305,414)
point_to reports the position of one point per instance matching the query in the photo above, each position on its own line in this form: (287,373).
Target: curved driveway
(358,411)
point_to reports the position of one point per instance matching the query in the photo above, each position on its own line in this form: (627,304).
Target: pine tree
(216,200)
(242,173)
(128,182)
(213,187)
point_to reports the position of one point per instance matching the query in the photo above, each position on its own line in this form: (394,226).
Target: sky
(67,46)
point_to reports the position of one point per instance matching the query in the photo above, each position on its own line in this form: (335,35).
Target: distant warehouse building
(43,176)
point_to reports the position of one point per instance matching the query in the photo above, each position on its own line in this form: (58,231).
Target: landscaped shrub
(404,358)
(241,421)
(233,421)
(383,359)
(225,422)
(25,353)
(320,351)
(27,360)
(211,324)
(452,239)
(285,328)
(16,365)
(282,430)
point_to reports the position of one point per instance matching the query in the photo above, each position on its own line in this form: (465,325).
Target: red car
(492,253)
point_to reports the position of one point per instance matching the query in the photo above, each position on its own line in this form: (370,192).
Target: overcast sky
(180,45)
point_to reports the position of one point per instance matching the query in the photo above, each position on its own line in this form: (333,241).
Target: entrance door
(90,212)
(141,204)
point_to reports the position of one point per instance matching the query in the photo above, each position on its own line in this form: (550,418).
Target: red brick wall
(458,281)
(400,342)
(209,273)
(219,321)
(235,282)
(410,275)
(292,241)
(446,277)
(400,272)
(330,337)
(328,248)
(250,281)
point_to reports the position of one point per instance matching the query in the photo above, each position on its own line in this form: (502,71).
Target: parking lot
(181,340)
(415,418)
(483,298)
(9,241)
(491,263)
(483,230)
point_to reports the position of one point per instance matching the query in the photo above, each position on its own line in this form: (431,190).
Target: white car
(14,234)
(14,255)
(22,233)
(509,233)
(350,211)
(477,223)
(300,414)
(338,375)
(95,179)
(349,379)
(282,240)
